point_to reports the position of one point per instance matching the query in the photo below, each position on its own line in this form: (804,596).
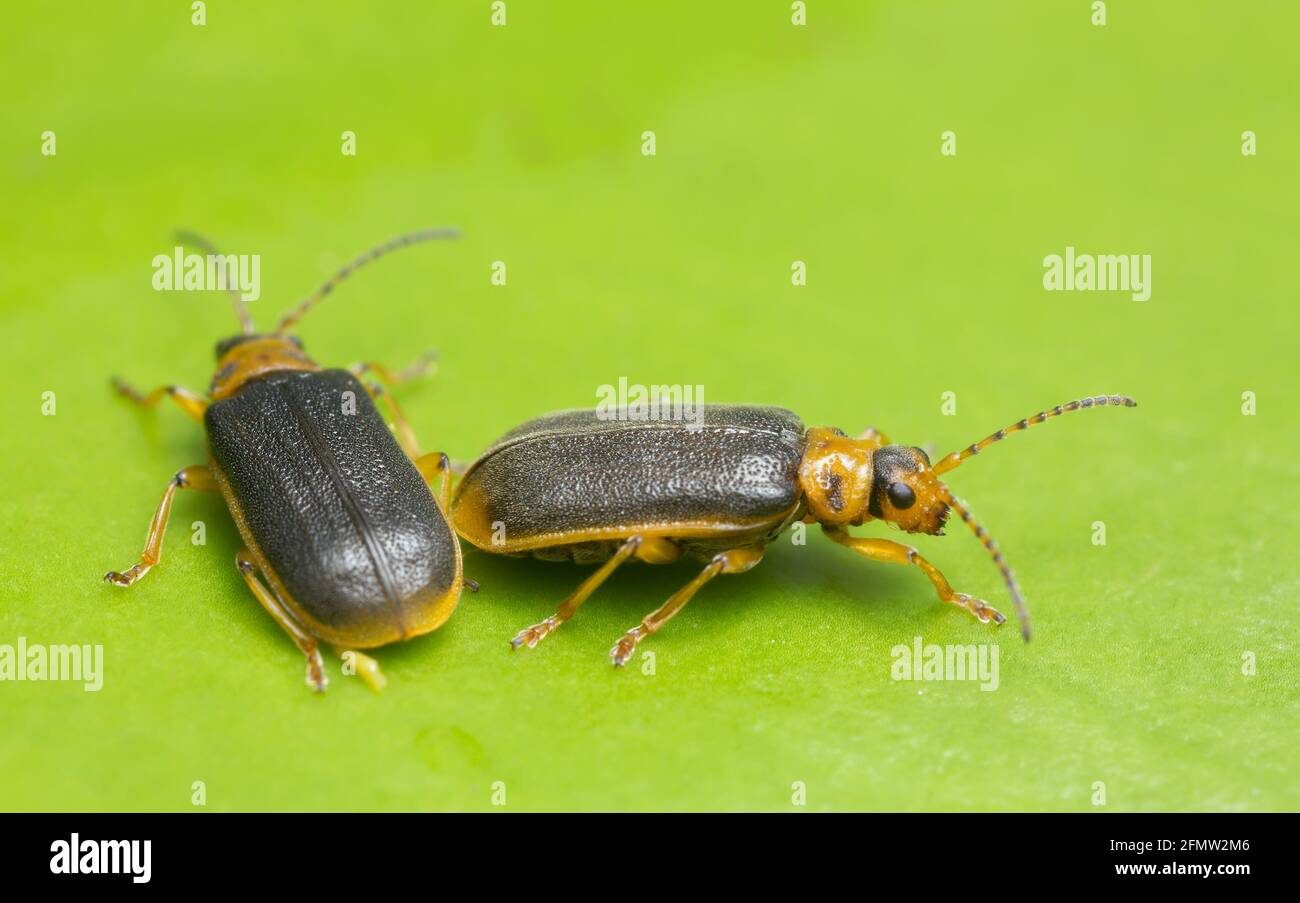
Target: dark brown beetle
(577,486)
(336,517)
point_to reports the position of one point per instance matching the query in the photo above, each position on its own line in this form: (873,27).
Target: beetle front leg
(187,401)
(897,553)
(195,477)
(302,639)
(735,561)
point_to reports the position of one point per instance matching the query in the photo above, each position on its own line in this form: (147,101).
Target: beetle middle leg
(405,435)
(423,364)
(650,549)
(734,561)
(196,477)
(302,639)
(187,401)
(897,553)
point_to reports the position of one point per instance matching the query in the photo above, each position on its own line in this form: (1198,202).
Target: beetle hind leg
(734,561)
(364,666)
(531,636)
(650,549)
(304,641)
(433,466)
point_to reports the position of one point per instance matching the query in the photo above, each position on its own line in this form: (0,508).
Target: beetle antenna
(400,241)
(952,461)
(983,536)
(186,237)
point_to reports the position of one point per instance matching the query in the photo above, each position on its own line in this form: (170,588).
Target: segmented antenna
(951,461)
(401,241)
(983,536)
(241,307)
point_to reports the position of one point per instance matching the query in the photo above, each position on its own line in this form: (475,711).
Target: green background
(774,143)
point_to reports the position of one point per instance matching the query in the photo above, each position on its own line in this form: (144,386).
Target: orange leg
(367,668)
(304,641)
(393,379)
(430,467)
(890,551)
(187,401)
(651,549)
(405,435)
(422,366)
(874,436)
(734,561)
(195,477)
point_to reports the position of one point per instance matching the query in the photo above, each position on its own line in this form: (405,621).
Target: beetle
(343,540)
(579,486)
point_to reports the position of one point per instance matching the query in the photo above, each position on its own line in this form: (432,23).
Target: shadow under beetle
(578,486)
(335,516)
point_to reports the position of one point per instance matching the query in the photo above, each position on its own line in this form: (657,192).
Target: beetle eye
(901,496)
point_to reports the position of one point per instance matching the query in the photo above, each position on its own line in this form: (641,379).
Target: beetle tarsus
(982,611)
(531,636)
(316,678)
(623,649)
(131,576)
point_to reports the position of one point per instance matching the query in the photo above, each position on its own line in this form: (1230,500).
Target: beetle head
(906,492)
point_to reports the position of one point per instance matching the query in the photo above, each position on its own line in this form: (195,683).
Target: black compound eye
(901,496)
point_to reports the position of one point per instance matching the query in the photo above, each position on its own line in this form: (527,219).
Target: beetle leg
(531,636)
(897,553)
(366,668)
(405,435)
(423,364)
(430,466)
(187,401)
(195,477)
(734,561)
(306,642)
(874,436)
